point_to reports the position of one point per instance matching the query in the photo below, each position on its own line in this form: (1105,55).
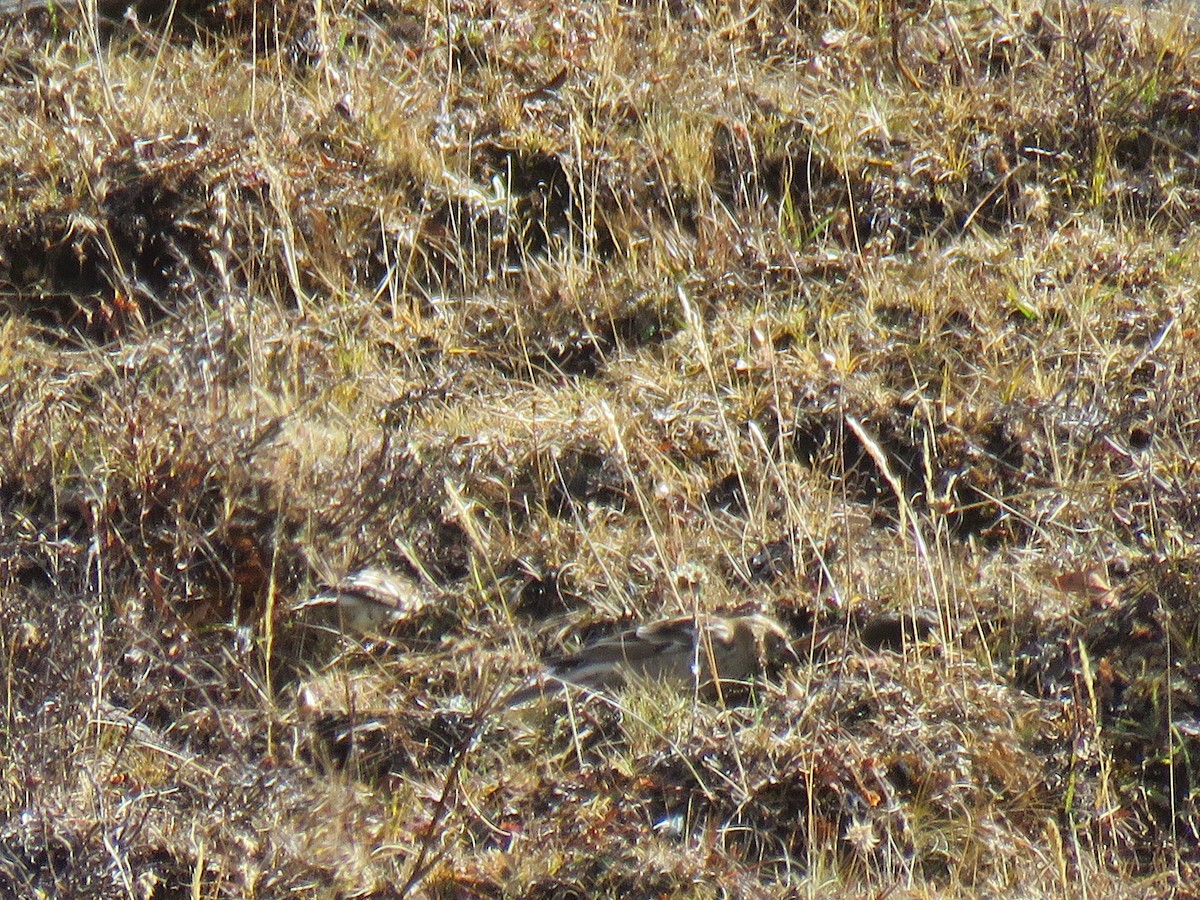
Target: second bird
(676,651)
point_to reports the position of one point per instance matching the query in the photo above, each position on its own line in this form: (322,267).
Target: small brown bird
(366,602)
(673,651)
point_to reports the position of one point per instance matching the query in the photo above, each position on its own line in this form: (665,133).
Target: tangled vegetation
(877,318)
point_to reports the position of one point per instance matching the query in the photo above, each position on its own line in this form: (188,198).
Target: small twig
(423,864)
(907,515)
(897,29)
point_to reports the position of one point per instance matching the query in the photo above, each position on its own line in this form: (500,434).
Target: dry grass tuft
(876,320)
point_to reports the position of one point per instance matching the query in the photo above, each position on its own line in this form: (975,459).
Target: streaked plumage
(672,651)
(365,602)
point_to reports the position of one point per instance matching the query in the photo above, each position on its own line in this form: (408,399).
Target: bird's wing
(607,661)
(385,588)
(663,650)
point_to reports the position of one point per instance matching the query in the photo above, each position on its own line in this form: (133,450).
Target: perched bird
(673,651)
(366,602)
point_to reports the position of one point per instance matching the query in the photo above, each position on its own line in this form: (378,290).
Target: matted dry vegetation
(878,318)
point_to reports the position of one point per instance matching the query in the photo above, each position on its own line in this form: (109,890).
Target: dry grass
(585,313)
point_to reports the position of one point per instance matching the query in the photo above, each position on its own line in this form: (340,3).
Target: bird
(674,651)
(366,602)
